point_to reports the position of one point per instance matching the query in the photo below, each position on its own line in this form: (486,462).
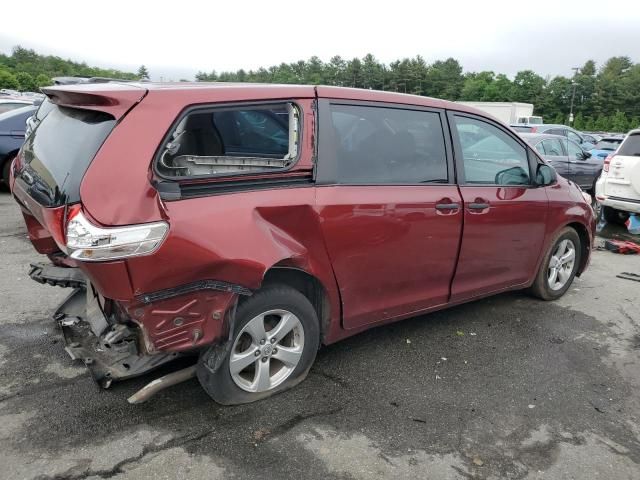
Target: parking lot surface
(507,387)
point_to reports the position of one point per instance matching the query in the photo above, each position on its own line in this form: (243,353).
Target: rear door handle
(478,206)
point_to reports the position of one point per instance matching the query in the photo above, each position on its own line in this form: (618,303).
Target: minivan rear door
(623,180)
(389,209)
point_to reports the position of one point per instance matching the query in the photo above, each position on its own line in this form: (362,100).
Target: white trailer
(508,112)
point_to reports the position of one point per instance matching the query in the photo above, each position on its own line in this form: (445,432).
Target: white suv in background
(618,188)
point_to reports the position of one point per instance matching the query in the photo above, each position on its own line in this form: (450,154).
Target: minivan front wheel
(274,344)
(559,266)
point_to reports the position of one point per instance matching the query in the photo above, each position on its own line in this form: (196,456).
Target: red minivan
(250,224)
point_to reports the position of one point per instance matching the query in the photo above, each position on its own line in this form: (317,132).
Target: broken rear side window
(233,140)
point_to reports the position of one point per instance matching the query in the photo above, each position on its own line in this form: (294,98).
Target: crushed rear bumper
(110,350)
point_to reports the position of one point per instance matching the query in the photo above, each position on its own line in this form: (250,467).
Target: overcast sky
(175,39)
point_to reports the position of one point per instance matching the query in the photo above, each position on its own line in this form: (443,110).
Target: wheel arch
(3,162)
(306,283)
(585,244)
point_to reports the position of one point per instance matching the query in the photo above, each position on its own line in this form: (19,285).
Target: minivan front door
(504,215)
(389,211)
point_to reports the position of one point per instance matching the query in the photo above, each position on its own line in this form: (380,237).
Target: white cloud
(178,38)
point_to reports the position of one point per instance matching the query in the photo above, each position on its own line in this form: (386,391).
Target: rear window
(58,153)
(609,145)
(521,129)
(229,141)
(631,146)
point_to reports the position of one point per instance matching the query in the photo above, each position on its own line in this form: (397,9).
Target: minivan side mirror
(585,155)
(545,175)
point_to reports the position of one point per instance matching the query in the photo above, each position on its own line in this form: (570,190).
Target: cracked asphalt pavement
(507,387)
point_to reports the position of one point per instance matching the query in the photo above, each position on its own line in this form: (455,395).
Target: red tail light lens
(607,162)
(534,129)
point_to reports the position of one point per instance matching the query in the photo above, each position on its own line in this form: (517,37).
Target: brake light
(534,129)
(90,243)
(607,162)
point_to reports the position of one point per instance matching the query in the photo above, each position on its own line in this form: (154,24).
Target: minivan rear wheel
(274,343)
(559,266)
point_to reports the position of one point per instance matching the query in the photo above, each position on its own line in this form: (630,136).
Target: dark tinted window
(574,136)
(59,152)
(575,151)
(553,147)
(630,146)
(521,129)
(385,145)
(254,131)
(556,131)
(490,155)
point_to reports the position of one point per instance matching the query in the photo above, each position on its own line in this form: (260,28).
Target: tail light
(90,243)
(534,129)
(607,162)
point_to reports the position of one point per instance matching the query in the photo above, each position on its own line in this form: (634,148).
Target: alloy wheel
(266,351)
(561,264)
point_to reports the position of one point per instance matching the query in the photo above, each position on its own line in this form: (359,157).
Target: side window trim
(457,148)
(326,165)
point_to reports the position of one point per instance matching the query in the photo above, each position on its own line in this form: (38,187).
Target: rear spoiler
(114,99)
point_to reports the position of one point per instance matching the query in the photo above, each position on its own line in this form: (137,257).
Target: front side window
(574,150)
(232,140)
(377,145)
(575,137)
(490,156)
(552,147)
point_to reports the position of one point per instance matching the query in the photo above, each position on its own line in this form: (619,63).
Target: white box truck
(508,112)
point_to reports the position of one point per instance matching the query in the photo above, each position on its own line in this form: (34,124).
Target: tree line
(607,96)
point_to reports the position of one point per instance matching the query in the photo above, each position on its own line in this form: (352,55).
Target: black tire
(541,287)
(5,170)
(213,366)
(613,215)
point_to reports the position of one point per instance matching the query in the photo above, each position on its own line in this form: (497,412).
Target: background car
(606,146)
(9,103)
(618,188)
(591,137)
(554,129)
(568,158)
(12,135)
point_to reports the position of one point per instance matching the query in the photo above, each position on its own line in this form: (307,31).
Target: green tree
(26,83)
(143,73)
(43,80)
(8,80)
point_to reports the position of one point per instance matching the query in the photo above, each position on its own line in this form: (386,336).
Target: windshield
(59,151)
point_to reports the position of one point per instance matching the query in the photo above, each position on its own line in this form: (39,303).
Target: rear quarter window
(230,141)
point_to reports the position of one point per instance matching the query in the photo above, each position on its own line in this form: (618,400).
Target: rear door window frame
(327,162)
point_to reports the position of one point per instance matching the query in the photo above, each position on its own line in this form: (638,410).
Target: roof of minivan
(247,90)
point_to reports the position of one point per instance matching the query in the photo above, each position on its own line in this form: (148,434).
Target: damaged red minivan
(250,224)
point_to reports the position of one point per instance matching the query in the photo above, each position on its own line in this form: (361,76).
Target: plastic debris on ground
(633,224)
(622,246)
